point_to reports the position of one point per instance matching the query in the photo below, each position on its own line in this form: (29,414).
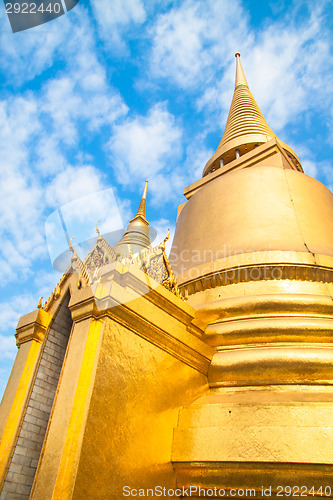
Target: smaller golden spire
(240,76)
(136,237)
(142,207)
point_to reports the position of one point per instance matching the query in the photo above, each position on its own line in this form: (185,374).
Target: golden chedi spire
(246,127)
(240,77)
(136,237)
(142,207)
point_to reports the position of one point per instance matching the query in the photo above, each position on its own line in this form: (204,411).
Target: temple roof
(246,126)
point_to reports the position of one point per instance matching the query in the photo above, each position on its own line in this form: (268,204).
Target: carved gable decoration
(156,264)
(153,264)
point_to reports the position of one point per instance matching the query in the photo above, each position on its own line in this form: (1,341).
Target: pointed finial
(240,77)
(71,246)
(142,207)
(74,256)
(39,305)
(136,237)
(245,127)
(97,229)
(162,245)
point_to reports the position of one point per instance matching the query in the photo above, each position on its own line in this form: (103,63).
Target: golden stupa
(131,382)
(136,237)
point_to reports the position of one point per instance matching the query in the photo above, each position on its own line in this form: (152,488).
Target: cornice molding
(32,326)
(260,272)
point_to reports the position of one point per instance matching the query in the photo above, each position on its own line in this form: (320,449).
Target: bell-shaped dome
(259,208)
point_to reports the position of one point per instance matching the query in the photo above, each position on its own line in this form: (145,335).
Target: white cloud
(38,46)
(197,155)
(166,187)
(73,183)
(82,94)
(44,283)
(20,205)
(144,146)
(40,129)
(116,17)
(310,168)
(80,216)
(19,123)
(193,41)
(325,171)
(287,61)
(8,347)
(287,67)
(24,198)
(50,159)
(13,309)
(307,158)
(178,45)
(63,106)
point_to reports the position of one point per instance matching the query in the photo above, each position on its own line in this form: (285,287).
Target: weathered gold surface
(254,437)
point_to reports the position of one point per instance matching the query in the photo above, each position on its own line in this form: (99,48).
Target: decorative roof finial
(78,265)
(71,246)
(136,237)
(142,207)
(97,229)
(162,245)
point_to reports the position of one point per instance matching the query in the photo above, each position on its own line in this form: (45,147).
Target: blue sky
(119,91)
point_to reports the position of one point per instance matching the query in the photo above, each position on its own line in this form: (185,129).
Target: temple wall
(134,407)
(128,371)
(31,436)
(53,448)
